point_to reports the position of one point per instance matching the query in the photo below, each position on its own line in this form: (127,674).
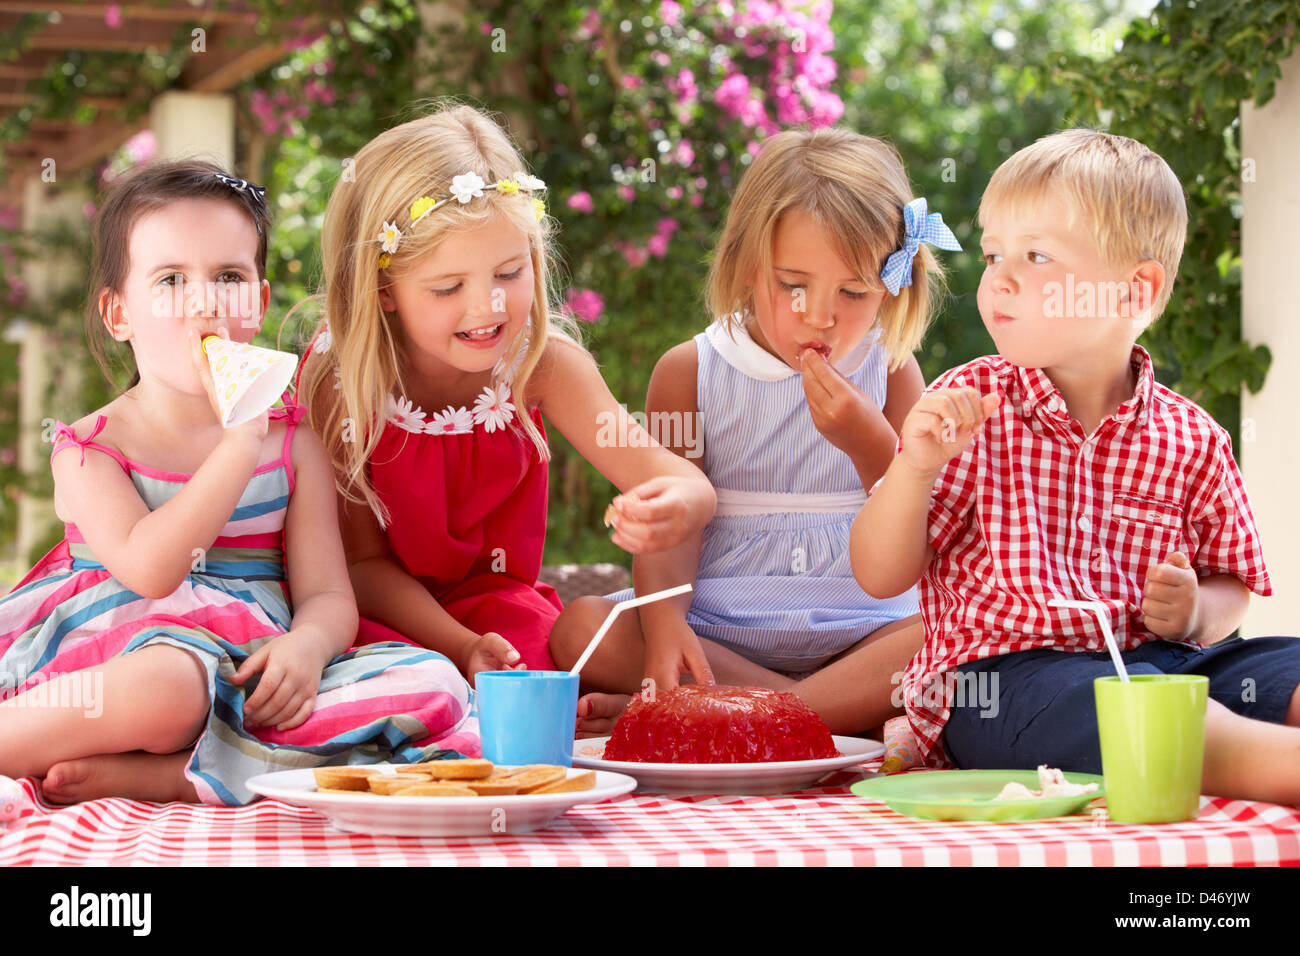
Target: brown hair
(140,192)
(855,188)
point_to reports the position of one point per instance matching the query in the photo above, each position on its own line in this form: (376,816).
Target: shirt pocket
(1144,529)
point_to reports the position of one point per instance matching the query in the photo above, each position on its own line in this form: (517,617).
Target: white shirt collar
(742,353)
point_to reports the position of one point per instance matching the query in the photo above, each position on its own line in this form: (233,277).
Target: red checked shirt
(1034,509)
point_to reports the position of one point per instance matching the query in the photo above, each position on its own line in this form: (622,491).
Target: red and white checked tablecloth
(827,825)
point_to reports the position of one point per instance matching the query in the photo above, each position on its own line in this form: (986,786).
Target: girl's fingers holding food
(971,399)
(990,403)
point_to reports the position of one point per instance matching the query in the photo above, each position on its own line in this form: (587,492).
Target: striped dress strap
(291,414)
(65,437)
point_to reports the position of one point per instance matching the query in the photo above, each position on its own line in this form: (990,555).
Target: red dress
(466,496)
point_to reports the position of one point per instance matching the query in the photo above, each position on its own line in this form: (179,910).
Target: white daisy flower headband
(463,188)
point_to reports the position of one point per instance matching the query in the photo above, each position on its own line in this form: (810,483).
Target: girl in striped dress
(791,402)
(160,651)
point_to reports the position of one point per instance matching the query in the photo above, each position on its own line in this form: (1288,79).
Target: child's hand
(841,411)
(659,514)
(1169,598)
(491,652)
(598,713)
(942,423)
(291,666)
(671,653)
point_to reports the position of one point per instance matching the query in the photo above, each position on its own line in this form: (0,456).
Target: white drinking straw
(1102,611)
(619,607)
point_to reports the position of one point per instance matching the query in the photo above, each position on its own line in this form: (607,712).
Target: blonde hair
(1131,200)
(855,188)
(415,159)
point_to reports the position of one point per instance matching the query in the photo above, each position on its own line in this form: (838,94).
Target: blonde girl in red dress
(428,380)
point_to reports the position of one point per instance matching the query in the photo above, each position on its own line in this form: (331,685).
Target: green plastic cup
(1152,745)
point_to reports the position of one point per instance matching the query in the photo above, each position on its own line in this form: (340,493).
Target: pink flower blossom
(18,291)
(674,192)
(696,200)
(660,58)
(684,154)
(632,254)
(732,93)
(303,41)
(683,87)
(631,81)
(657,246)
(142,147)
(670,12)
(826,111)
(586,304)
(819,69)
(590,25)
(581,201)
(627,192)
(667,226)
(113,15)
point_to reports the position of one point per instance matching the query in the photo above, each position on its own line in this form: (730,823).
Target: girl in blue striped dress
(790,401)
(195,627)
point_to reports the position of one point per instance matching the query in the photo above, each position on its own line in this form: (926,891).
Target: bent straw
(617,609)
(1102,611)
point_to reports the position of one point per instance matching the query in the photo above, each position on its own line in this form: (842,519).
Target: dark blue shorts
(1046,712)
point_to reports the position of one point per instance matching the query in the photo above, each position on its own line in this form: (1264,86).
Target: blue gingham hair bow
(917,228)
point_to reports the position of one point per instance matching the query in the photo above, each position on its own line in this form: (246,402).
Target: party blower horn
(249,379)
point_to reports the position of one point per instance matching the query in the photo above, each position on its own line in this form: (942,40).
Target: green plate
(968,795)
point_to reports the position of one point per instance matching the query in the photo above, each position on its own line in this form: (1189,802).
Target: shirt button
(1054,405)
(1084,523)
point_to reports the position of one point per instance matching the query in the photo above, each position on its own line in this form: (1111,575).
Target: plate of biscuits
(468,797)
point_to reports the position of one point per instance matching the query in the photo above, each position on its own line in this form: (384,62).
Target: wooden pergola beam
(82,35)
(8,98)
(232,52)
(228,60)
(99,11)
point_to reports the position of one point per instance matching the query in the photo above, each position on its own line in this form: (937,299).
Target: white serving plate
(363,812)
(728,778)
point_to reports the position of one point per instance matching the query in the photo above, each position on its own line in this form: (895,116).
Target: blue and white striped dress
(775,583)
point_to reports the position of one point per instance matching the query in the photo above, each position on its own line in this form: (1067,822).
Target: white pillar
(1270,452)
(41,395)
(195,126)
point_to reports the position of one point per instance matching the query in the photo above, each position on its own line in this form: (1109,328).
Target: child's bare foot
(597,714)
(136,776)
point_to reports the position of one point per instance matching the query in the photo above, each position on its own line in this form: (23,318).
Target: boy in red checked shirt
(1059,469)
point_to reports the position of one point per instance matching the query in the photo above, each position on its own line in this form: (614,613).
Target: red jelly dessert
(694,724)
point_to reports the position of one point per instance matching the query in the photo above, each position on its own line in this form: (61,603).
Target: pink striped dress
(384,701)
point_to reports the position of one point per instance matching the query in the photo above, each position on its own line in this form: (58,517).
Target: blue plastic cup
(527,716)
